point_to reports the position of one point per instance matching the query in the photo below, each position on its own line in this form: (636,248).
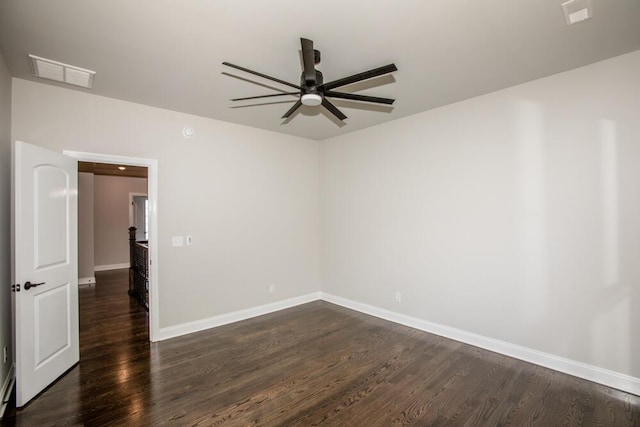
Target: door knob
(29,285)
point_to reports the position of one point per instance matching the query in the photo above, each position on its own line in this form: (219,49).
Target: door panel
(50,207)
(46,255)
(52,334)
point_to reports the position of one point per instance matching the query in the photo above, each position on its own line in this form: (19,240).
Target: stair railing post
(132,242)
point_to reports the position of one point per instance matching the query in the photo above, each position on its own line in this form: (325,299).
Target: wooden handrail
(138,269)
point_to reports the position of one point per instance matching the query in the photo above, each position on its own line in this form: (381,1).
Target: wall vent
(59,72)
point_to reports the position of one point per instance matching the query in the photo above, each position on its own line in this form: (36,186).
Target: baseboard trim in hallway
(86,280)
(108,267)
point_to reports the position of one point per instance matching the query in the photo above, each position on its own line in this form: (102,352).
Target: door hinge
(15,288)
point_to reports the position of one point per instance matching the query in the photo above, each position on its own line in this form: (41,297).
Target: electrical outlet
(272,289)
(398,297)
(189,240)
(177,241)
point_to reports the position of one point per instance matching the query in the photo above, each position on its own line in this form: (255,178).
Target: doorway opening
(150,220)
(139,215)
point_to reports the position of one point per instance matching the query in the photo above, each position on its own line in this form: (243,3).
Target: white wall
(86,257)
(514,215)
(248,197)
(111,217)
(5,219)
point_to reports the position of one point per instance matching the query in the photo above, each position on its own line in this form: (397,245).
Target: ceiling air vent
(576,11)
(64,73)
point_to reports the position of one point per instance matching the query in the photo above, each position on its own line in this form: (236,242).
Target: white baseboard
(7,388)
(111,267)
(86,280)
(236,316)
(578,369)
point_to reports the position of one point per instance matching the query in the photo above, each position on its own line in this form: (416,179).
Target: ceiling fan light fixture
(311,99)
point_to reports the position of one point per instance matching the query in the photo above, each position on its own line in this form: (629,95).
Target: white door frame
(152,188)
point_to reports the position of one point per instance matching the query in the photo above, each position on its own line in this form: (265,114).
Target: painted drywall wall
(86,258)
(111,213)
(248,197)
(5,219)
(514,215)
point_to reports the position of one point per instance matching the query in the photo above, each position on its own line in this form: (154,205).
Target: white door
(45,268)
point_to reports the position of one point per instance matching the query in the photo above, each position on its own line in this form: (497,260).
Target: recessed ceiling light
(576,11)
(122,168)
(64,73)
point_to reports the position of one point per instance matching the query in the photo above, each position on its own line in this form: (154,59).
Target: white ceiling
(168,53)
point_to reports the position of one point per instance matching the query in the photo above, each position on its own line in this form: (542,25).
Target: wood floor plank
(312,365)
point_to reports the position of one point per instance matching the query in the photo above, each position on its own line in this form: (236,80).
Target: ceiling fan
(312,89)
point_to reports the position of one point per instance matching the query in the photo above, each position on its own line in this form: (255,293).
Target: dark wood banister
(138,269)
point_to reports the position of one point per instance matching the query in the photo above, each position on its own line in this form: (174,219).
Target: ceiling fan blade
(308,62)
(292,110)
(265,96)
(246,70)
(357,97)
(361,76)
(332,108)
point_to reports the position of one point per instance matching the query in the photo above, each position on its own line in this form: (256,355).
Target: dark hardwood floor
(315,364)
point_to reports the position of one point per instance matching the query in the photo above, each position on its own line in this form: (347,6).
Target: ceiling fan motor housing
(311,95)
(311,88)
